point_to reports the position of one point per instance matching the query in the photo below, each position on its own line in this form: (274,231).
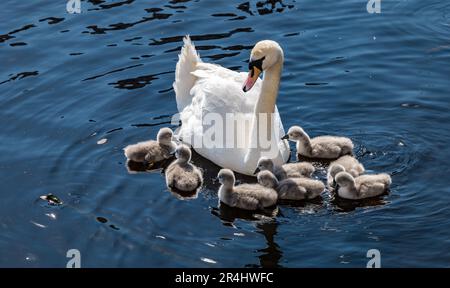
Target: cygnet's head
(264,55)
(226,177)
(264,163)
(183,153)
(165,135)
(344,179)
(335,169)
(296,133)
(267,179)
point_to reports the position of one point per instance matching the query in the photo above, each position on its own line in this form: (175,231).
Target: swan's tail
(184,80)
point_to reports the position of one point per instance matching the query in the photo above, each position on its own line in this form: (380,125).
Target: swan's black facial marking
(256,63)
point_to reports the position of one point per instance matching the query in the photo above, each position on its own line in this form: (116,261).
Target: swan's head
(226,177)
(295,133)
(183,153)
(344,179)
(267,179)
(264,55)
(335,169)
(264,163)
(165,136)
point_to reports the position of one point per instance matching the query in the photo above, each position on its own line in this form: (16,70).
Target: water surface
(68,82)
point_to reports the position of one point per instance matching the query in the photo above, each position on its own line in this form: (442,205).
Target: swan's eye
(256,63)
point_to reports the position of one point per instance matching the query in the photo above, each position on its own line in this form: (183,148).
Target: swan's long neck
(265,106)
(269,90)
(304,145)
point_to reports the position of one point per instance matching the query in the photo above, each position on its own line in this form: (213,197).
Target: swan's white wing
(223,89)
(219,90)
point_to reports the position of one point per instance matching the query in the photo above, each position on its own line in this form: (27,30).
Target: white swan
(203,89)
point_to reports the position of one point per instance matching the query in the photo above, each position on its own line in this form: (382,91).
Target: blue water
(68,81)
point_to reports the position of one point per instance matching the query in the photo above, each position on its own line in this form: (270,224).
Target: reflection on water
(76,89)
(266,225)
(269,256)
(345,205)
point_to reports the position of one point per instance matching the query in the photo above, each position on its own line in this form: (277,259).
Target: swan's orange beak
(253,75)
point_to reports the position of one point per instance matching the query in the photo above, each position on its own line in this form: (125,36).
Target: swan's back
(246,194)
(138,152)
(217,91)
(184,177)
(350,164)
(368,180)
(294,170)
(299,189)
(331,146)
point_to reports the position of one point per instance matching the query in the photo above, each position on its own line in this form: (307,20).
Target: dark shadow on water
(266,224)
(345,205)
(318,201)
(229,214)
(184,195)
(271,255)
(138,82)
(176,39)
(108,6)
(135,167)
(95,29)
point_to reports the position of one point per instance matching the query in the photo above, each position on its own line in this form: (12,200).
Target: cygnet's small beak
(285,137)
(256,171)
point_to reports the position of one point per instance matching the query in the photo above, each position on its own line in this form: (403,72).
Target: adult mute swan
(228,117)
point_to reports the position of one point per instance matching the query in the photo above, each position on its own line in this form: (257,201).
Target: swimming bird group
(203,88)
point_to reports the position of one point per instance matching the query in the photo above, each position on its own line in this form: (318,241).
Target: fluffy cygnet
(152,151)
(345,163)
(364,186)
(244,196)
(292,188)
(325,147)
(181,174)
(289,170)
